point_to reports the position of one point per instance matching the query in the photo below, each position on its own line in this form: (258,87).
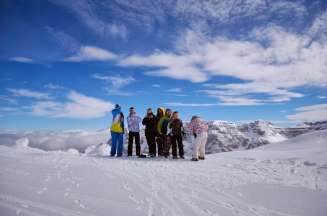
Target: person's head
(168,112)
(149,111)
(160,112)
(132,110)
(117,106)
(194,118)
(175,115)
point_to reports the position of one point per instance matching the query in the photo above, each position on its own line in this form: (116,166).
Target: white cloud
(321,97)
(103,16)
(318,29)
(271,62)
(239,101)
(21,59)
(64,40)
(28,93)
(92,53)
(179,104)
(276,94)
(52,86)
(171,65)
(316,112)
(8,99)
(176,90)
(115,83)
(93,15)
(8,109)
(77,106)
(156,86)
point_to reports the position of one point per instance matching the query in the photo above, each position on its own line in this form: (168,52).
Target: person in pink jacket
(200,131)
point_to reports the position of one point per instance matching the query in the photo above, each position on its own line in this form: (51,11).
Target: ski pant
(160,144)
(117,141)
(199,145)
(131,137)
(177,141)
(151,140)
(166,146)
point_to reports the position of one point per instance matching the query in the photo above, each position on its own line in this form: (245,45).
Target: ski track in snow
(35,182)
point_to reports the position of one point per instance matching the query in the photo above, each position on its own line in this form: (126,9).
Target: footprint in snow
(47,179)
(67,190)
(78,202)
(126,187)
(132,197)
(42,190)
(25,205)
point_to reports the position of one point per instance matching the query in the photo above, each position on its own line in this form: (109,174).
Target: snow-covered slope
(286,178)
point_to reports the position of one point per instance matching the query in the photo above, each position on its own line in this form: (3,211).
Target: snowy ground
(287,178)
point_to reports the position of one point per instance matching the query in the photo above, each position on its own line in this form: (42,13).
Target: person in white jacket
(200,131)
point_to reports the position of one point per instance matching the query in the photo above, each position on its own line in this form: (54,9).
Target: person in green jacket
(159,139)
(162,130)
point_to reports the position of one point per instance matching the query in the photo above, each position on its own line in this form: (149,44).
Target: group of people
(163,131)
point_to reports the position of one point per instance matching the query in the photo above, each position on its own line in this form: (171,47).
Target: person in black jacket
(176,127)
(150,123)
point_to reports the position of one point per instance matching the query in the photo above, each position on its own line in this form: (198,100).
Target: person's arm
(170,124)
(182,128)
(129,122)
(122,121)
(159,126)
(144,121)
(191,128)
(138,120)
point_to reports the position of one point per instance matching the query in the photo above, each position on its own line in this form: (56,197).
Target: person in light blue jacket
(117,131)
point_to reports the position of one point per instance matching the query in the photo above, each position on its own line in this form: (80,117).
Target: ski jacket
(197,126)
(117,125)
(162,125)
(150,124)
(176,126)
(133,122)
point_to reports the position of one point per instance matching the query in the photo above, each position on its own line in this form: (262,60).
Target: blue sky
(65,63)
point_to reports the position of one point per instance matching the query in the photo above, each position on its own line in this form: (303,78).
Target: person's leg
(148,140)
(159,144)
(154,146)
(174,146)
(165,147)
(204,137)
(180,146)
(130,144)
(113,143)
(196,147)
(137,143)
(120,144)
(168,145)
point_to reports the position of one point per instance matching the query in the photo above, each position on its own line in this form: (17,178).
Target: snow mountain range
(223,136)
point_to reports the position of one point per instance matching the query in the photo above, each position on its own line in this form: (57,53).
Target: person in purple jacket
(133,122)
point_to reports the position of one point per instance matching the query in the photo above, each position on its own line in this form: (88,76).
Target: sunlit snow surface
(286,178)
